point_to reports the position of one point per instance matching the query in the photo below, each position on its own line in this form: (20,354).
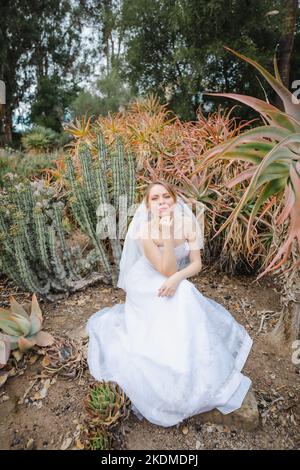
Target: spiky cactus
(105,187)
(33,248)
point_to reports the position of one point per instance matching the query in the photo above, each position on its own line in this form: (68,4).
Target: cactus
(33,248)
(21,327)
(107,181)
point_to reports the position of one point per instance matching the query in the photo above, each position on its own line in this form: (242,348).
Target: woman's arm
(193,268)
(195,265)
(165,261)
(169,286)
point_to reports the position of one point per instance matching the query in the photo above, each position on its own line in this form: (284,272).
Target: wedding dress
(174,357)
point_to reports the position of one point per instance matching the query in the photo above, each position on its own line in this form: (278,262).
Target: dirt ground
(39,413)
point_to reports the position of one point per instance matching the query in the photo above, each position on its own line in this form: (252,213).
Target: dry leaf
(17,355)
(33,359)
(46,361)
(79,444)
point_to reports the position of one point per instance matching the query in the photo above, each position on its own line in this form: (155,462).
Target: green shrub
(25,165)
(40,139)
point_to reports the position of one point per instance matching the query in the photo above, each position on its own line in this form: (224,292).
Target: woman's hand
(169,286)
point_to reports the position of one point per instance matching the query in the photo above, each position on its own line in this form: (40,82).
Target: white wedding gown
(174,357)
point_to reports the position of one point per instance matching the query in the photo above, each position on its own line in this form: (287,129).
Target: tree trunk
(2,110)
(5,125)
(285,45)
(8,126)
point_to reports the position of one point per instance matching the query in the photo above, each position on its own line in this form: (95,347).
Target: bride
(173,351)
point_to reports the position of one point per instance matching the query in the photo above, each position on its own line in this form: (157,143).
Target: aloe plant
(99,439)
(273,150)
(107,403)
(21,328)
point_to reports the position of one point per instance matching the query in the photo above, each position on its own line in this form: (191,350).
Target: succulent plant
(64,358)
(21,327)
(107,403)
(99,439)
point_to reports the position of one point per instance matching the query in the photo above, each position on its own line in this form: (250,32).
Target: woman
(173,351)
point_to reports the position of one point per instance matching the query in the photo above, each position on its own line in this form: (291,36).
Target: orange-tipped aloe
(273,151)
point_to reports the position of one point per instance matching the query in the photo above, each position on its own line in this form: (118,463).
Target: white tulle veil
(132,249)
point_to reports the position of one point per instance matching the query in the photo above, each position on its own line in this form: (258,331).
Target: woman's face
(160,201)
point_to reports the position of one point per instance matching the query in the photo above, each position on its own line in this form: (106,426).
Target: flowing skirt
(174,357)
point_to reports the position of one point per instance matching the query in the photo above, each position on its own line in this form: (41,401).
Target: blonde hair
(165,184)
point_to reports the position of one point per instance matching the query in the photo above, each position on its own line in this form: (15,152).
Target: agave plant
(107,403)
(21,327)
(273,153)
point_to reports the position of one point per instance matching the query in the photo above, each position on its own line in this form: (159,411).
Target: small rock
(30,444)
(246,417)
(210,429)
(3,379)
(66,443)
(185,430)
(43,392)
